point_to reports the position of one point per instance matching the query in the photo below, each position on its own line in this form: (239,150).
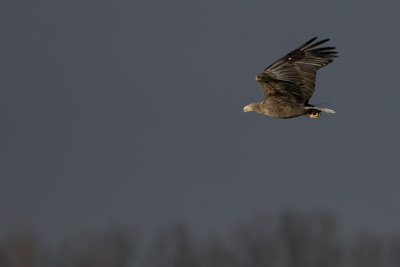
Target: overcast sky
(130,112)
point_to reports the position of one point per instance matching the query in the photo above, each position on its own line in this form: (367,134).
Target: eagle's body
(278,107)
(289,83)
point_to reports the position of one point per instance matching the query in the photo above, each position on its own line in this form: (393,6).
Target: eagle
(289,83)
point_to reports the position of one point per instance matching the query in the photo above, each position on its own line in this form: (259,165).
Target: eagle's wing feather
(293,76)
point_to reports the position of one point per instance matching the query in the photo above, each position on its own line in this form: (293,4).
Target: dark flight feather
(293,76)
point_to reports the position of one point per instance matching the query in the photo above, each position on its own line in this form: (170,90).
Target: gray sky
(130,112)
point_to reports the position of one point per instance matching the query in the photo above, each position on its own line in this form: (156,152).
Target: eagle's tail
(327,110)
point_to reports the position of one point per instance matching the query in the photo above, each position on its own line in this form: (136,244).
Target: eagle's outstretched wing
(293,76)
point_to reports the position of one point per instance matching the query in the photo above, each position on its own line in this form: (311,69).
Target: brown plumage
(289,83)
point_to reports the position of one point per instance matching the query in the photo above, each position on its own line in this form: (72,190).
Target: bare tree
(173,248)
(309,239)
(394,253)
(327,246)
(113,249)
(296,234)
(19,249)
(215,253)
(257,243)
(368,251)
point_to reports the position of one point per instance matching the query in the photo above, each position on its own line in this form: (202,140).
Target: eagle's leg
(315,115)
(312,112)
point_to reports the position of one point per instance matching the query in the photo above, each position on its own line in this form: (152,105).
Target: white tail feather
(327,110)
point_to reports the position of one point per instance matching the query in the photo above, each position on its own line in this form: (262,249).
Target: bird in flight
(289,83)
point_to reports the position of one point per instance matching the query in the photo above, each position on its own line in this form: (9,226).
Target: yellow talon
(315,115)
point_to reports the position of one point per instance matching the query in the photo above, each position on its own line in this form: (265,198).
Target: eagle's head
(252,107)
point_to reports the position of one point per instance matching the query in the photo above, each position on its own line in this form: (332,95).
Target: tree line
(290,239)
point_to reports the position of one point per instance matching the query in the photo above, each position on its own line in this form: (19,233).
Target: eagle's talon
(315,115)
